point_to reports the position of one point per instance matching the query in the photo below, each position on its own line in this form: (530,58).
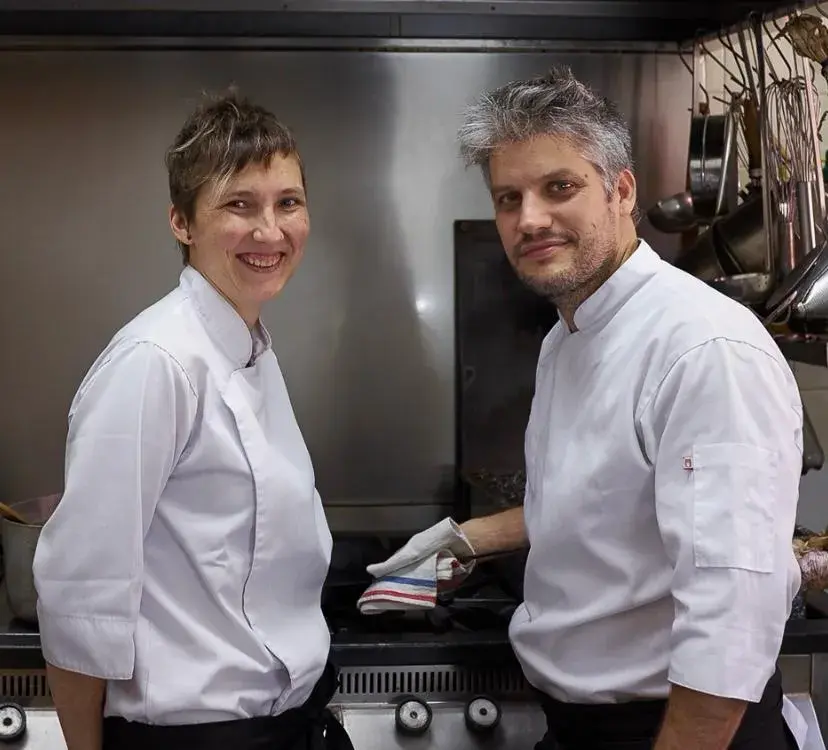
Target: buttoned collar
(224,325)
(597,309)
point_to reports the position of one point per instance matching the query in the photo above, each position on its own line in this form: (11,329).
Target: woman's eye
(239,204)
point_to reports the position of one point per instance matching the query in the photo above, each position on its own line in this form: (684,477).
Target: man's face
(555,220)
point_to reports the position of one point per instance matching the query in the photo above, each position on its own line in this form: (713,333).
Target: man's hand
(699,721)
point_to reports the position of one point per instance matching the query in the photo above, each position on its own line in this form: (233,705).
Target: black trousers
(635,725)
(310,727)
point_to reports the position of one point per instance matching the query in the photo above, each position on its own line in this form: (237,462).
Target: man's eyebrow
(555,174)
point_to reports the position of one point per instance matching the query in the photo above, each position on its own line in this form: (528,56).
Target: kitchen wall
(813,498)
(364,332)
(813,381)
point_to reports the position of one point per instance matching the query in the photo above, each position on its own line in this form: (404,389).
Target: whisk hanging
(787,111)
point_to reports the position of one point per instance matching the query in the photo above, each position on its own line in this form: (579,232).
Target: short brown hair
(220,138)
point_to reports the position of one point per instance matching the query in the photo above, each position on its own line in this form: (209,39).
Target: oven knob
(413,716)
(482,714)
(12,722)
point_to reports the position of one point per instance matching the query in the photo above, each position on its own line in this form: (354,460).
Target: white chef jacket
(185,562)
(663,458)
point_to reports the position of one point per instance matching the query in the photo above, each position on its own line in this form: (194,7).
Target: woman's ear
(180,226)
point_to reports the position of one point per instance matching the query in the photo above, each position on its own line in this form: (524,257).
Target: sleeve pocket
(734,488)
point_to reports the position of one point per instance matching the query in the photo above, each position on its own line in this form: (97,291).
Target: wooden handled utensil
(12,514)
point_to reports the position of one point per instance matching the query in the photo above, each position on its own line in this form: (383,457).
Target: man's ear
(627,192)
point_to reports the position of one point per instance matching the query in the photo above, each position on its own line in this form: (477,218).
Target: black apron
(309,727)
(635,725)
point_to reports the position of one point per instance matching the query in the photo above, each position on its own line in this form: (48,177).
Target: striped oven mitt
(411,577)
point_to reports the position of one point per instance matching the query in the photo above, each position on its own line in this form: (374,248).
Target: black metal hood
(559,20)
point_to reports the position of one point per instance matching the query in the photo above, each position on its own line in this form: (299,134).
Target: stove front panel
(374,727)
(439,707)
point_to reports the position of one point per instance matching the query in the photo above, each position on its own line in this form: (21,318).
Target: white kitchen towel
(411,577)
(414,586)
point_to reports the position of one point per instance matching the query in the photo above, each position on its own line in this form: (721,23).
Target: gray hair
(554,104)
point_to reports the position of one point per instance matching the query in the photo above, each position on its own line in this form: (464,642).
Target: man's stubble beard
(593,264)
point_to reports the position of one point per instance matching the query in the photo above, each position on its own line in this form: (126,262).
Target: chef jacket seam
(92,618)
(135,342)
(691,350)
(174,359)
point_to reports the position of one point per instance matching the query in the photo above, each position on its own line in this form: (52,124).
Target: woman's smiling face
(247,236)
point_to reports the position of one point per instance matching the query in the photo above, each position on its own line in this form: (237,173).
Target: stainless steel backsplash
(364,332)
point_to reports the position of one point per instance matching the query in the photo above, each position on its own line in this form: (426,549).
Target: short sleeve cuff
(740,676)
(96,647)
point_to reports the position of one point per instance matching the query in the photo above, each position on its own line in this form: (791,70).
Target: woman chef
(180,578)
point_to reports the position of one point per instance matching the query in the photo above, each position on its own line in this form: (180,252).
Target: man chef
(663,454)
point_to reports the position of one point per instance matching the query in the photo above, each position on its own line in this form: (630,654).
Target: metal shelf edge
(807,352)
